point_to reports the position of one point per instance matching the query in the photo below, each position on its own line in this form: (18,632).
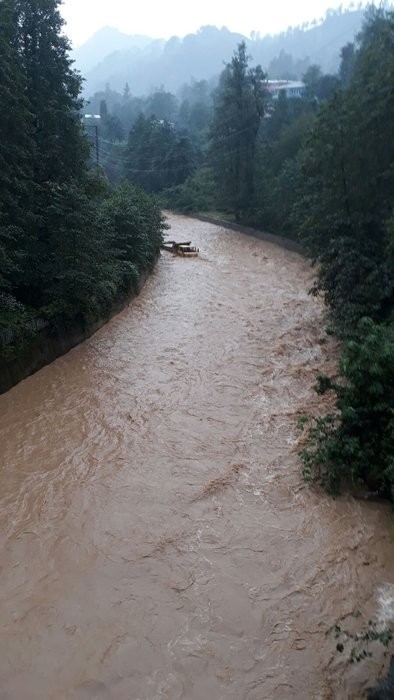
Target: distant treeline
(69,245)
(115,58)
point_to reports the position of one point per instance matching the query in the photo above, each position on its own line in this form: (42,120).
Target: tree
(139,159)
(60,255)
(282,67)
(16,121)
(51,89)
(112,129)
(346,217)
(103,110)
(317,85)
(349,173)
(162,105)
(126,93)
(16,148)
(195,110)
(347,63)
(156,156)
(356,444)
(238,110)
(196,194)
(136,224)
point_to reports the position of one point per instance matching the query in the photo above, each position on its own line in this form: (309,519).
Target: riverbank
(56,339)
(286,243)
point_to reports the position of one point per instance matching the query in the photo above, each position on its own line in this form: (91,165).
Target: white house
(292,88)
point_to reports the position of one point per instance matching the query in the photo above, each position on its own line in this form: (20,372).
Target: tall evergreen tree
(61,150)
(16,147)
(58,246)
(53,90)
(156,156)
(238,110)
(348,194)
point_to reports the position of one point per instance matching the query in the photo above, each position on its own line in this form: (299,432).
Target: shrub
(356,443)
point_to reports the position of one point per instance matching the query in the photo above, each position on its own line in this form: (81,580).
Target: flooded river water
(157,540)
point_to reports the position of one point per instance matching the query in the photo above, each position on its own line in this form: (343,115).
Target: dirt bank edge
(50,342)
(287,243)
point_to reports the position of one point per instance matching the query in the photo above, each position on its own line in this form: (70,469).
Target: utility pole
(97,150)
(96,138)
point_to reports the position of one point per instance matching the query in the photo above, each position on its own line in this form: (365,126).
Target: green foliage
(195,195)
(112,129)
(282,67)
(238,110)
(277,197)
(52,89)
(162,105)
(156,155)
(317,85)
(195,111)
(356,444)
(135,226)
(349,181)
(302,421)
(16,146)
(16,324)
(347,64)
(69,246)
(358,644)
(279,180)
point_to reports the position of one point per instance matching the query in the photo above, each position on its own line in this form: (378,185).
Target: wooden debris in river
(184,249)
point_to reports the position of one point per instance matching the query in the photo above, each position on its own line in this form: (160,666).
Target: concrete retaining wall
(53,341)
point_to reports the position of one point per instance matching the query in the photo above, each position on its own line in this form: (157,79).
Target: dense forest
(69,245)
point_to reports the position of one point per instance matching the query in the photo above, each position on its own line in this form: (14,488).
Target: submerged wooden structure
(184,248)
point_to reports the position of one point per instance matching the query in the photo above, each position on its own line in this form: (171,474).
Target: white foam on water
(386,604)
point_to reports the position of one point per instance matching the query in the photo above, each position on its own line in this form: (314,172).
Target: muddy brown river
(157,539)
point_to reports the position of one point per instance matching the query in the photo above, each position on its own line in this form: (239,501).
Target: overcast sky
(165,18)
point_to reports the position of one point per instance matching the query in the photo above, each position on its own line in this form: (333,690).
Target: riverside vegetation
(319,169)
(70,246)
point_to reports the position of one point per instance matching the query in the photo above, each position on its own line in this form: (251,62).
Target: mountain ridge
(146,64)
(103,43)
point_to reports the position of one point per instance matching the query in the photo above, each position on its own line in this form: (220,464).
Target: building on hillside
(291,88)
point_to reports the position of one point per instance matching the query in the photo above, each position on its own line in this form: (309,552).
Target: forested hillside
(200,56)
(69,246)
(321,169)
(105,42)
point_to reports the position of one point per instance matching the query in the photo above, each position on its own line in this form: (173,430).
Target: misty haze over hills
(111,57)
(108,41)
